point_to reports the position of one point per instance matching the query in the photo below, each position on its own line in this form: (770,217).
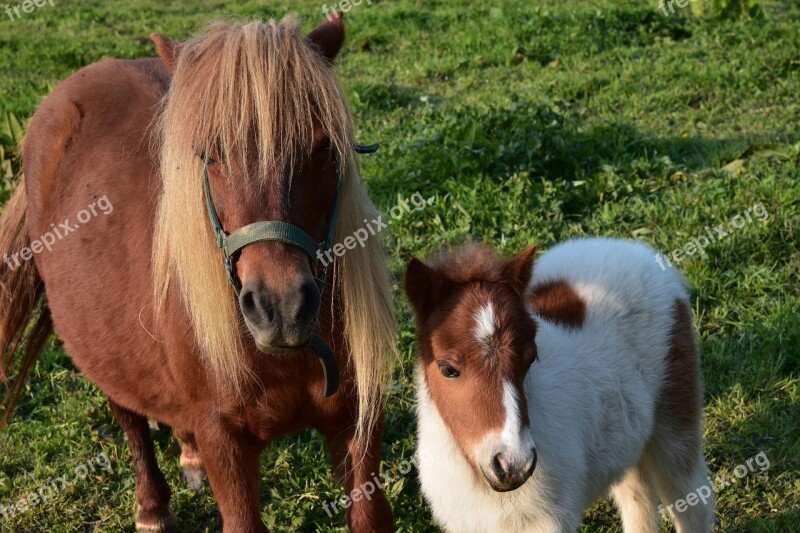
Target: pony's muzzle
(280,320)
(509,470)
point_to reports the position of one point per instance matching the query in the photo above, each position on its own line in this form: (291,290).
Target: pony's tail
(21,304)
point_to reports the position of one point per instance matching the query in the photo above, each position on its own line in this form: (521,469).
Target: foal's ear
(518,270)
(329,36)
(168,50)
(424,287)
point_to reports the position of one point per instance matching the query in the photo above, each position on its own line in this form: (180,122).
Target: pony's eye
(206,159)
(448,371)
(324,146)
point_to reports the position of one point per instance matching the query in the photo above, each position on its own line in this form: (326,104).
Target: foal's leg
(681,478)
(192,465)
(152,491)
(358,465)
(232,464)
(636,499)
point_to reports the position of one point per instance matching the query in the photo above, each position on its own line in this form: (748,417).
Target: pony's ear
(329,36)
(518,270)
(168,50)
(424,287)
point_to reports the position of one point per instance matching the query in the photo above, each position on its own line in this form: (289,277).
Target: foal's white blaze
(516,442)
(513,444)
(485,323)
(512,435)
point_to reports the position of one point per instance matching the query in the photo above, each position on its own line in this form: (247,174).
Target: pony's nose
(511,470)
(280,319)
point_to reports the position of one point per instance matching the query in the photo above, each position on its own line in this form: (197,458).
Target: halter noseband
(276,230)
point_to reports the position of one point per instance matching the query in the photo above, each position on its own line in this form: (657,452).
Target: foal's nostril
(500,466)
(512,472)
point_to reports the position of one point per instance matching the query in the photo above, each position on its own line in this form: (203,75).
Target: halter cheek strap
(275,230)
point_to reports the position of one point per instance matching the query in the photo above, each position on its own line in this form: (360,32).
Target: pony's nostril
(269,312)
(258,304)
(248,302)
(307,303)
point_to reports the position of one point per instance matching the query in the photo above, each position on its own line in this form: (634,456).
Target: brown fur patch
(679,410)
(558,302)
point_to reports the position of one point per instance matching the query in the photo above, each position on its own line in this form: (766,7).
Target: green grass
(525,124)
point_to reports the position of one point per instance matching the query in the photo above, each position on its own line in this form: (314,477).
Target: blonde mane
(250,91)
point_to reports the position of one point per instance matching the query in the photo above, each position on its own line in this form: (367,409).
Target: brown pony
(141,297)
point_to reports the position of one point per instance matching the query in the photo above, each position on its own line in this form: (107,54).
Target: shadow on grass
(781,522)
(548,141)
(746,374)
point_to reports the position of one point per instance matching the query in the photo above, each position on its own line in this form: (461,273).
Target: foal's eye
(448,371)
(530,356)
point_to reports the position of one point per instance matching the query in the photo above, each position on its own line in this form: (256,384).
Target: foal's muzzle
(509,471)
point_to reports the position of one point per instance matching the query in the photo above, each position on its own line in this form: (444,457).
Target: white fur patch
(486,326)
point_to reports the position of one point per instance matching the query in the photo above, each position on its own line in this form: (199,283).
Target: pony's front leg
(358,466)
(233,469)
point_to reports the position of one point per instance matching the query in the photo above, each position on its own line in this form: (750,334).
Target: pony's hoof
(195,477)
(192,465)
(152,523)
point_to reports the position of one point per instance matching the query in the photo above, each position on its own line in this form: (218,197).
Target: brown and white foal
(540,390)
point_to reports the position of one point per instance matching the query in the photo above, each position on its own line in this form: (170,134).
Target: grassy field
(525,122)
